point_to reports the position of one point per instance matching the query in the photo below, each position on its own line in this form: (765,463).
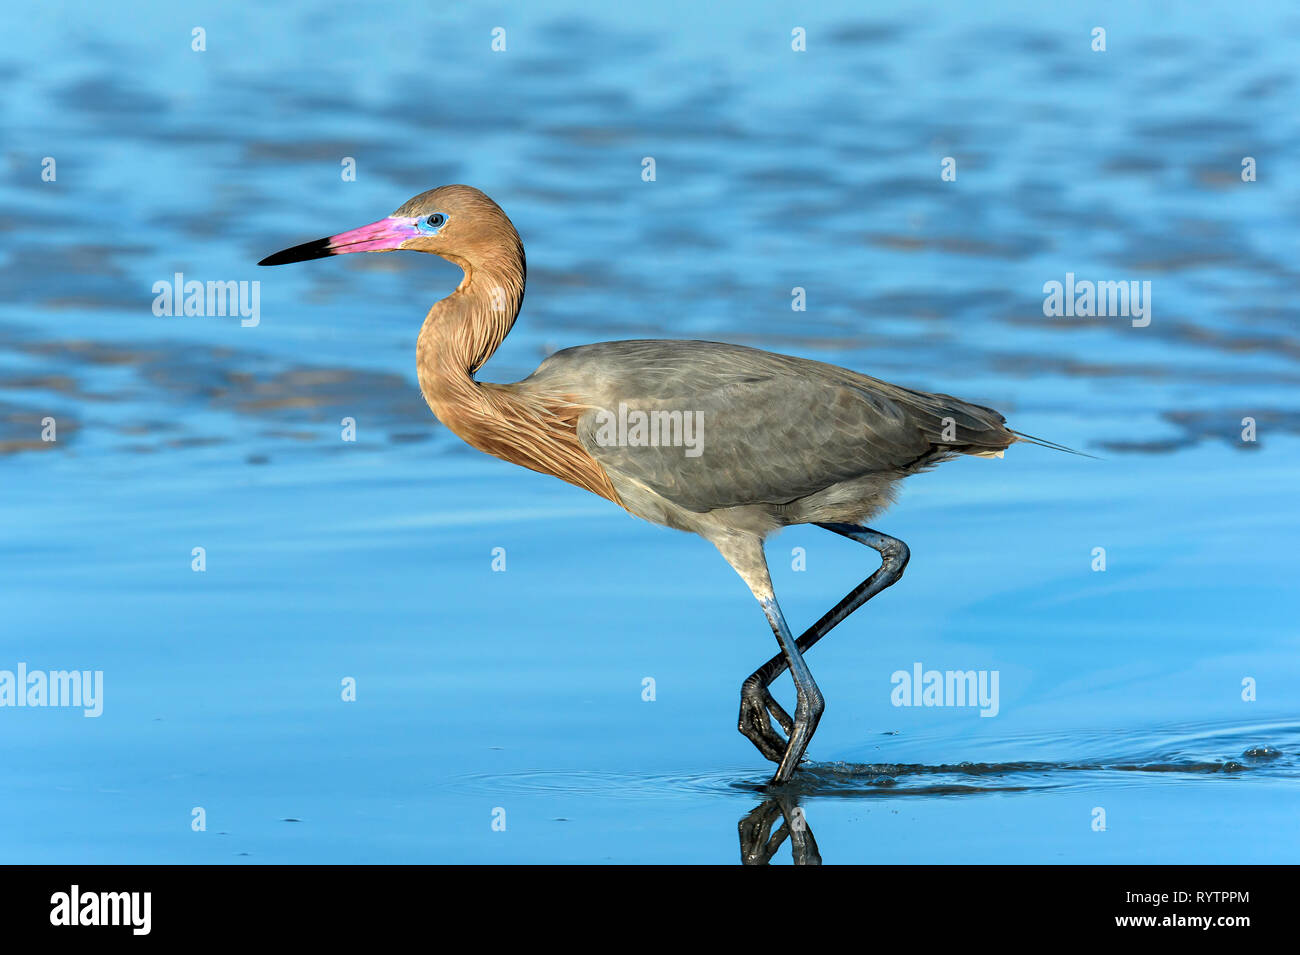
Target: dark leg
(809,706)
(757,707)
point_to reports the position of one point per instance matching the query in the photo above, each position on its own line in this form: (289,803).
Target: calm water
(482,693)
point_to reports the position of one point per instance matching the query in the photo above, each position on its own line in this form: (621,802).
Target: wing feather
(769,428)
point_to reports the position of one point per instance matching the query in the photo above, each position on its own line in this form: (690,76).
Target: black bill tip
(300,253)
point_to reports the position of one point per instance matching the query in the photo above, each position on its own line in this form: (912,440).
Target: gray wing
(753,426)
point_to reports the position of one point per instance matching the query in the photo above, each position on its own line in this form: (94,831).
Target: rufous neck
(462,331)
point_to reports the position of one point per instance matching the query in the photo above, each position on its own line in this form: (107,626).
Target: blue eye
(431,223)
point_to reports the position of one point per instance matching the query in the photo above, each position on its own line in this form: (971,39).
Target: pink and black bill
(386,235)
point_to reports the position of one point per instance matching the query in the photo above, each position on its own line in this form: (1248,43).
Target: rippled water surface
(1146,713)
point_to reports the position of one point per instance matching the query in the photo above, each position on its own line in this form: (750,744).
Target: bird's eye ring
(434,221)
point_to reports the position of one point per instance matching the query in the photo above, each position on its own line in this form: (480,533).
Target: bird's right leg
(757,706)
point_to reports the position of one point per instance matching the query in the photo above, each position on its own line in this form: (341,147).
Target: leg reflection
(758,844)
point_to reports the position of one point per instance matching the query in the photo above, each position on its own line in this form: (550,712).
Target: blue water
(484,695)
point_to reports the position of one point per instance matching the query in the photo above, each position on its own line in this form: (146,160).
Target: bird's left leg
(756,700)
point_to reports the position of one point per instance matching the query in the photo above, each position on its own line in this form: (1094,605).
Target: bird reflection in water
(758,843)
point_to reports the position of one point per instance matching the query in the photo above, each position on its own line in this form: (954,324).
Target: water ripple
(1193,750)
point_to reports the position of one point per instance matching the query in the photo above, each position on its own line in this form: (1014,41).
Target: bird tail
(1042,443)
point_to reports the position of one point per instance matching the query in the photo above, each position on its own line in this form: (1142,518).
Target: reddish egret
(739,442)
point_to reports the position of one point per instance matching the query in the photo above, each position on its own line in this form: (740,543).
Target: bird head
(459,223)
